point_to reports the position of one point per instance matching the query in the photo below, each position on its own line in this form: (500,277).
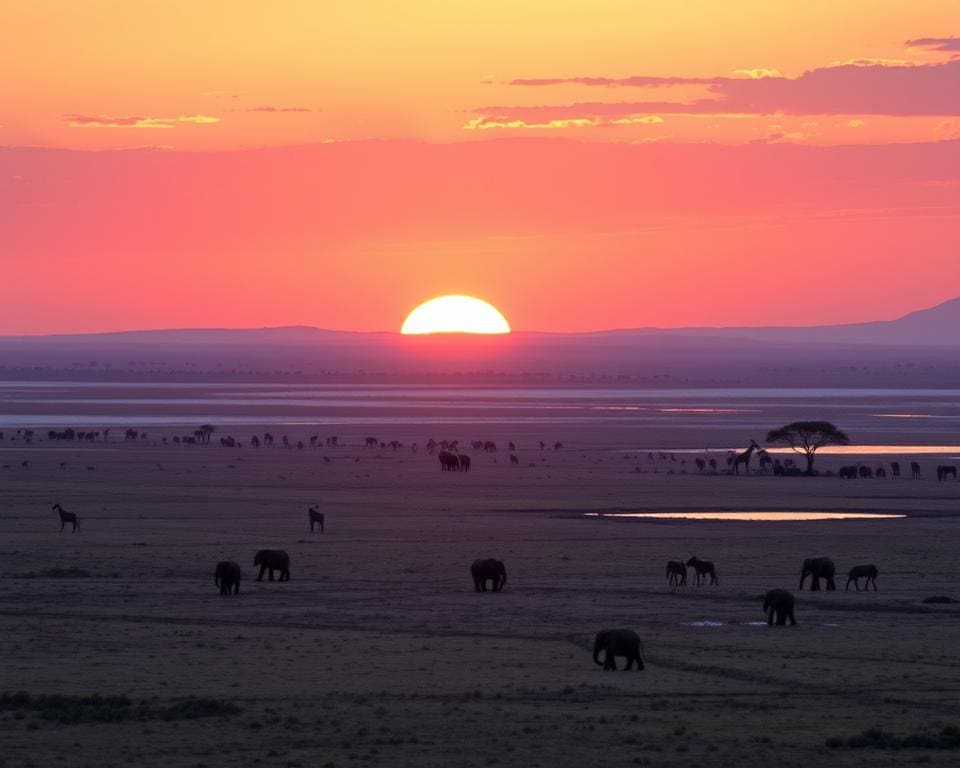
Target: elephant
(226,576)
(676,573)
(488,570)
(818,568)
(863,571)
(449,461)
(779,603)
(618,642)
(273,560)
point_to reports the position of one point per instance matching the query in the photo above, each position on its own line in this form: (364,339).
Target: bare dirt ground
(379,652)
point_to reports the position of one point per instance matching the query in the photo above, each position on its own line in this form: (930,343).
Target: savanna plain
(118,649)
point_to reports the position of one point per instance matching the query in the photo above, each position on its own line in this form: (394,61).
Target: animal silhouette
(490,570)
(703,568)
(514,459)
(67,517)
(915,470)
(273,560)
(944,471)
(818,568)
(895,468)
(744,458)
(448,461)
(779,603)
(618,642)
(464,462)
(227,576)
(869,572)
(316,516)
(676,573)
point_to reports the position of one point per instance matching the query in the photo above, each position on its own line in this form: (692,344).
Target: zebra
(703,569)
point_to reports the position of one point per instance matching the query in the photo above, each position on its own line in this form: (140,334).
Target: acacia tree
(806,437)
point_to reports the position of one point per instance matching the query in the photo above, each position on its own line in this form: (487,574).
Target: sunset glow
(455,314)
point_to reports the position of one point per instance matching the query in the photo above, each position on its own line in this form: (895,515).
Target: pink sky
(792,168)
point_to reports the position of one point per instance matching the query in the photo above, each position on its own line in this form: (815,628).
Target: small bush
(876,738)
(70,710)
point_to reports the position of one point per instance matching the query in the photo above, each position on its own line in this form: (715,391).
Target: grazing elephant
(866,473)
(618,642)
(449,461)
(818,568)
(488,570)
(779,603)
(703,569)
(316,516)
(226,576)
(273,560)
(464,462)
(676,573)
(863,571)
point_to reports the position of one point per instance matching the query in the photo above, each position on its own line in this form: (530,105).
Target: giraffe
(744,458)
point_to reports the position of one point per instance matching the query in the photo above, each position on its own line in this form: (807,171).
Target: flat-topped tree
(807,437)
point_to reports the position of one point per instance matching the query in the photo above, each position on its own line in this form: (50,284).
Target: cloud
(855,87)
(136,121)
(486,123)
(269,108)
(756,74)
(950,44)
(223,94)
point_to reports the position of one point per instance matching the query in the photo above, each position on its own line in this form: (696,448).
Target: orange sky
(581,165)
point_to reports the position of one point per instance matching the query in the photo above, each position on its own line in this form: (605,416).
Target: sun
(455,314)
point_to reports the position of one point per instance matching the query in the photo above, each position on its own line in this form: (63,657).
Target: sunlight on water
(751,516)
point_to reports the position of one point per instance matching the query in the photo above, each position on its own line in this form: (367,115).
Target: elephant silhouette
(273,560)
(818,568)
(227,576)
(778,603)
(490,570)
(618,642)
(869,572)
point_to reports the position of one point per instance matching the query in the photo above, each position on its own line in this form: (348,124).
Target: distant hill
(918,350)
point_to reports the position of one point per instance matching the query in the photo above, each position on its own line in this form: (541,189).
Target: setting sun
(455,314)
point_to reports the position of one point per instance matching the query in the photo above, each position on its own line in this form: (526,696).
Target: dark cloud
(950,44)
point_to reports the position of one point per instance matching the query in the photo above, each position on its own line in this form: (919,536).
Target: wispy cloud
(854,87)
(269,108)
(949,44)
(136,121)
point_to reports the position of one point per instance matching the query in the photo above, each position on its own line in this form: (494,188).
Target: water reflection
(751,516)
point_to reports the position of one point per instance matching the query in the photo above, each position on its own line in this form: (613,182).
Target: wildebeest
(676,573)
(779,603)
(273,560)
(618,642)
(464,463)
(490,570)
(863,571)
(703,568)
(67,517)
(915,470)
(448,461)
(227,575)
(316,516)
(818,568)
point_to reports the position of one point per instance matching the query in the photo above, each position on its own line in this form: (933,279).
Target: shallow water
(750,516)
